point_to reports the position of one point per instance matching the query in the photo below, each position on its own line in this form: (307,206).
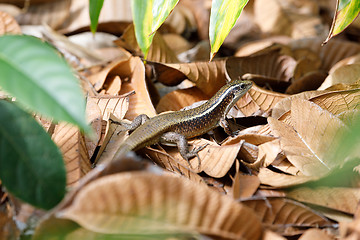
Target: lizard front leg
(182,145)
(139,120)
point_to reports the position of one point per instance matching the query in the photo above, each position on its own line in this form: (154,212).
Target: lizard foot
(194,153)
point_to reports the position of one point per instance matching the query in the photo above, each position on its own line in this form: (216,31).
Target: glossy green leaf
(31,166)
(95,7)
(345,14)
(224,14)
(148,17)
(39,78)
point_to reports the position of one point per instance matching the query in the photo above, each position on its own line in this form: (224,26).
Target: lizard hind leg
(183,146)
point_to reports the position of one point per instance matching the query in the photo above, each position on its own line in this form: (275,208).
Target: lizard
(177,127)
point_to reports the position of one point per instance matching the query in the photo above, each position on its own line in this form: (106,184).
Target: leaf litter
(264,182)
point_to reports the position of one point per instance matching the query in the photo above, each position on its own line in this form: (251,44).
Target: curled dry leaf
(72,145)
(345,74)
(281,180)
(270,64)
(8,24)
(281,214)
(209,77)
(111,70)
(53,13)
(132,72)
(94,116)
(179,99)
(115,134)
(330,53)
(145,203)
(342,199)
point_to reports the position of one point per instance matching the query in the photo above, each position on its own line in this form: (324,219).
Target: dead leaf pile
(278,176)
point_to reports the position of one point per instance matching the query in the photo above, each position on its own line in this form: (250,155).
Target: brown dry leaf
(253,138)
(309,81)
(261,103)
(98,79)
(350,230)
(256,46)
(342,199)
(178,99)
(249,153)
(117,105)
(8,24)
(285,166)
(244,186)
(313,233)
(159,50)
(94,116)
(281,18)
(209,77)
(166,161)
(345,61)
(307,147)
(8,228)
(181,19)
(269,235)
(270,64)
(281,214)
(284,105)
(115,135)
(330,53)
(305,26)
(72,145)
(318,129)
(201,12)
(338,101)
(132,73)
(280,180)
(269,152)
(53,13)
(270,17)
(215,160)
(346,74)
(349,117)
(119,204)
(176,42)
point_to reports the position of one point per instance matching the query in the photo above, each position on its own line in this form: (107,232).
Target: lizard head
(238,88)
(235,90)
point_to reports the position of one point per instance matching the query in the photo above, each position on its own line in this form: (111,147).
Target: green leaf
(148,17)
(34,73)
(95,7)
(31,166)
(224,14)
(345,13)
